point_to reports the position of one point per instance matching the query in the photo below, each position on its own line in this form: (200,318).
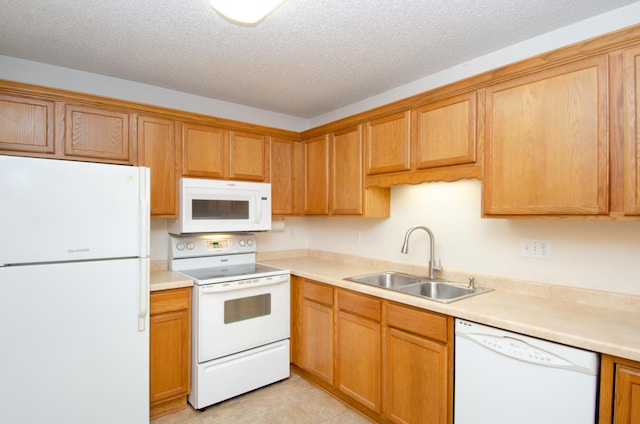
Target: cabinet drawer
(359,304)
(170,300)
(428,324)
(317,292)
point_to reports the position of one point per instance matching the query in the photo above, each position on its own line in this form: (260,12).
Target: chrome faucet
(405,249)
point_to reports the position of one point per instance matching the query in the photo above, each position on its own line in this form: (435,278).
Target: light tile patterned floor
(294,400)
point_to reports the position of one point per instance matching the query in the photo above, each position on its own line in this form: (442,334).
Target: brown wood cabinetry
(316,341)
(158,150)
(96,133)
(316,181)
(619,391)
(27,124)
(286,176)
(446,132)
(211,152)
(392,362)
(202,151)
(334,177)
(631,82)
(388,144)
(169,350)
(359,348)
(418,368)
(547,142)
(64,130)
(248,156)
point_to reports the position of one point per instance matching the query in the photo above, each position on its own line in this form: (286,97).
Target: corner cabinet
(169,350)
(392,362)
(286,176)
(619,391)
(546,142)
(334,177)
(631,81)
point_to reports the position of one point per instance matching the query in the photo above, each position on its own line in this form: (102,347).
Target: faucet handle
(438,267)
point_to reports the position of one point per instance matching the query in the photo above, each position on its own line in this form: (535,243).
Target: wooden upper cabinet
(631,58)
(97,133)
(248,156)
(202,151)
(27,124)
(546,142)
(388,144)
(446,132)
(286,176)
(158,150)
(346,172)
(316,181)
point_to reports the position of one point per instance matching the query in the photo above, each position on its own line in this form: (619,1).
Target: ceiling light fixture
(245,11)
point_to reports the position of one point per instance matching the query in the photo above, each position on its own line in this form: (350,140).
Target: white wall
(588,254)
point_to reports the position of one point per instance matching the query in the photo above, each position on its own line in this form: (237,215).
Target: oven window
(247,308)
(219,209)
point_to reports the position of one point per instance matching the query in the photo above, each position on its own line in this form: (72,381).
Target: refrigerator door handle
(144,294)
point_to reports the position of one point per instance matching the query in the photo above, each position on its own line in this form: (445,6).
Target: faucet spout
(405,248)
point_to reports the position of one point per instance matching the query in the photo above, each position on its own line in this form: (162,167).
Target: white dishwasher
(503,377)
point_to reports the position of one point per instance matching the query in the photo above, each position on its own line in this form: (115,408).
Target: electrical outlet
(535,248)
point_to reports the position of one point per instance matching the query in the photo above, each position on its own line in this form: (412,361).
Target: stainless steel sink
(387,279)
(442,291)
(436,289)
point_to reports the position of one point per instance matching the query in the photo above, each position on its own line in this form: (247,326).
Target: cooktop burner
(231,272)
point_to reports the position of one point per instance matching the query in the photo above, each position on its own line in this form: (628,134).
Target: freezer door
(71,350)
(55,210)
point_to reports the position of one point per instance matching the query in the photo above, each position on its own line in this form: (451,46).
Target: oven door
(233,317)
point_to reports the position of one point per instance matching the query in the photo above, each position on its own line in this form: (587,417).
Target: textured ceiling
(307,58)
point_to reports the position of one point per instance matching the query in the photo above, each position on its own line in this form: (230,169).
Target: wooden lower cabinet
(169,350)
(358,357)
(619,391)
(317,330)
(391,362)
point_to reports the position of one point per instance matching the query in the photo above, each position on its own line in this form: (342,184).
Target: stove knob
(180,246)
(242,243)
(250,242)
(190,246)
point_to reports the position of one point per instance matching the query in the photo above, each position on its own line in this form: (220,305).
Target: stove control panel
(182,246)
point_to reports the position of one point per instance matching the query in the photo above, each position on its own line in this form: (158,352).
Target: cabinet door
(346,172)
(632,131)
(316,182)
(282,176)
(157,149)
(446,132)
(358,356)
(317,339)
(388,144)
(416,382)
(96,133)
(247,156)
(27,124)
(547,142)
(169,349)
(202,151)
(627,395)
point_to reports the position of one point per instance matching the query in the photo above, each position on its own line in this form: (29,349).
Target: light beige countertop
(599,321)
(163,279)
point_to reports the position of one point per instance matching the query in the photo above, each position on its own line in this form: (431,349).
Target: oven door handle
(244,284)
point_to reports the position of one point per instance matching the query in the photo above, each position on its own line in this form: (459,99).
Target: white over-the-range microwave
(219,206)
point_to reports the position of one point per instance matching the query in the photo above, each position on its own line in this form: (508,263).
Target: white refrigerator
(74,293)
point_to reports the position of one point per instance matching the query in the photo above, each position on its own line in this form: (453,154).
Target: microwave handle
(258,209)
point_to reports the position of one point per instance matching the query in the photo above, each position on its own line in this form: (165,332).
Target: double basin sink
(434,289)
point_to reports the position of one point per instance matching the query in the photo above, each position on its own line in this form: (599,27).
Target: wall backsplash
(599,255)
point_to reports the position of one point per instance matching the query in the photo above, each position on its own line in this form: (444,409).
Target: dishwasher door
(503,377)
